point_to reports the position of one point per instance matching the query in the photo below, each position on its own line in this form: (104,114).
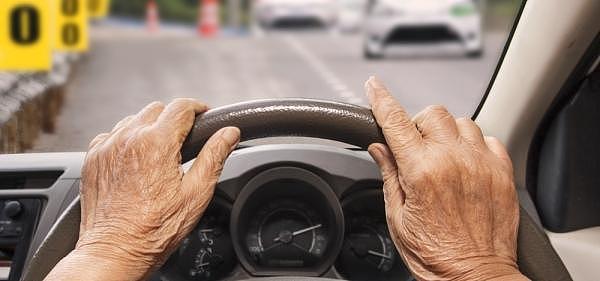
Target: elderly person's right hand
(451,203)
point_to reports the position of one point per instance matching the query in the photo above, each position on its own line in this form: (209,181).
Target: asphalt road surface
(127,68)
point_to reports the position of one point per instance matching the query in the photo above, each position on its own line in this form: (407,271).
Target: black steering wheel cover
(337,121)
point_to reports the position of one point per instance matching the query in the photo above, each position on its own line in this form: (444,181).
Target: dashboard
(290,219)
(280,212)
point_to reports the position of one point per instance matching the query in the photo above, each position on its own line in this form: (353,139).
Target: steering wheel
(295,117)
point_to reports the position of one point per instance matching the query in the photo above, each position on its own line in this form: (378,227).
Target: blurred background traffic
(70,69)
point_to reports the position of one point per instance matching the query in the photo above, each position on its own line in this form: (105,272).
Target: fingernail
(231,135)
(372,85)
(369,89)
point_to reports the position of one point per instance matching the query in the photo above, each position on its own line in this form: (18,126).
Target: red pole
(208,18)
(152,17)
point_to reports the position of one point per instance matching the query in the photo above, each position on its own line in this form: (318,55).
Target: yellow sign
(70,25)
(98,9)
(25,43)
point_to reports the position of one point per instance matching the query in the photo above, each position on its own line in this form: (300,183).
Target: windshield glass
(68,73)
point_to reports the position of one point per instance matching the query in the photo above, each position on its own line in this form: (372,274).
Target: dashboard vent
(28,180)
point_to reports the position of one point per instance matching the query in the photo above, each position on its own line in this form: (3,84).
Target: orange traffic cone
(208,18)
(152,17)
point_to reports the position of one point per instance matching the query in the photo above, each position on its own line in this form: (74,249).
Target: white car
(351,15)
(274,13)
(423,27)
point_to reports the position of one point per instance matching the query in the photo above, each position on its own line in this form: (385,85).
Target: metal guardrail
(30,103)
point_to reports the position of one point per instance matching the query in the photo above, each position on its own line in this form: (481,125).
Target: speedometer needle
(306,229)
(301,231)
(379,255)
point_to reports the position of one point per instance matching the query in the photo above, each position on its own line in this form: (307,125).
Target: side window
(568,166)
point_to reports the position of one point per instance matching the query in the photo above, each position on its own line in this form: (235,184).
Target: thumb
(394,196)
(203,175)
(392,189)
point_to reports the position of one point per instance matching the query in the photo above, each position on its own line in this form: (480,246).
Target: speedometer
(287,221)
(287,233)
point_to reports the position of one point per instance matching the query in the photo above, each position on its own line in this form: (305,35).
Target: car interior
(543,102)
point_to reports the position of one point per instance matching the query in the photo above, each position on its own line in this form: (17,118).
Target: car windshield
(69,72)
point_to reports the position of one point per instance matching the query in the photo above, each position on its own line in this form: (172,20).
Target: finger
(178,117)
(122,124)
(392,190)
(98,139)
(149,114)
(437,124)
(200,180)
(399,130)
(469,131)
(499,150)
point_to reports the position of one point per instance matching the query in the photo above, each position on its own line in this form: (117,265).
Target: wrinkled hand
(451,203)
(136,202)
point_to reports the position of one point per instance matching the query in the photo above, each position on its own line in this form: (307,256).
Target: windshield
(69,72)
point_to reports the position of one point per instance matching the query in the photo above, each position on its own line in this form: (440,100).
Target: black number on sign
(24,25)
(69,7)
(70,34)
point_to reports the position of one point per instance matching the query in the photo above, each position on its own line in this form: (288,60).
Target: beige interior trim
(580,252)
(548,43)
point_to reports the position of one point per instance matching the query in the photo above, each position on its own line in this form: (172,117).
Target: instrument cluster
(289,222)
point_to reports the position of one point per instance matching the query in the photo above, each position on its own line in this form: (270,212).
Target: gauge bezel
(373,198)
(245,204)
(365,194)
(170,268)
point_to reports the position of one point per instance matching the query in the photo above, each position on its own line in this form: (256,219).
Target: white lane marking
(334,82)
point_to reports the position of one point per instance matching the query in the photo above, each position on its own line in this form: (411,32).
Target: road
(128,68)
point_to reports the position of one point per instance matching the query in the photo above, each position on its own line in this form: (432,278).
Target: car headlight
(463,9)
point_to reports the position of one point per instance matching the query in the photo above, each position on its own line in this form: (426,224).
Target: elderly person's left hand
(136,202)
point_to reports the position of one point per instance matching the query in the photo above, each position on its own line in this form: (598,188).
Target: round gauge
(368,252)
(287,221)
(206,253)
(287,233)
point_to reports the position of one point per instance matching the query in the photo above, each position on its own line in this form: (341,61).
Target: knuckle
(436,111)
(181,104)
(183,108)
(464,120)
(156,104)
(97,139)
(123,122)
(395,116)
